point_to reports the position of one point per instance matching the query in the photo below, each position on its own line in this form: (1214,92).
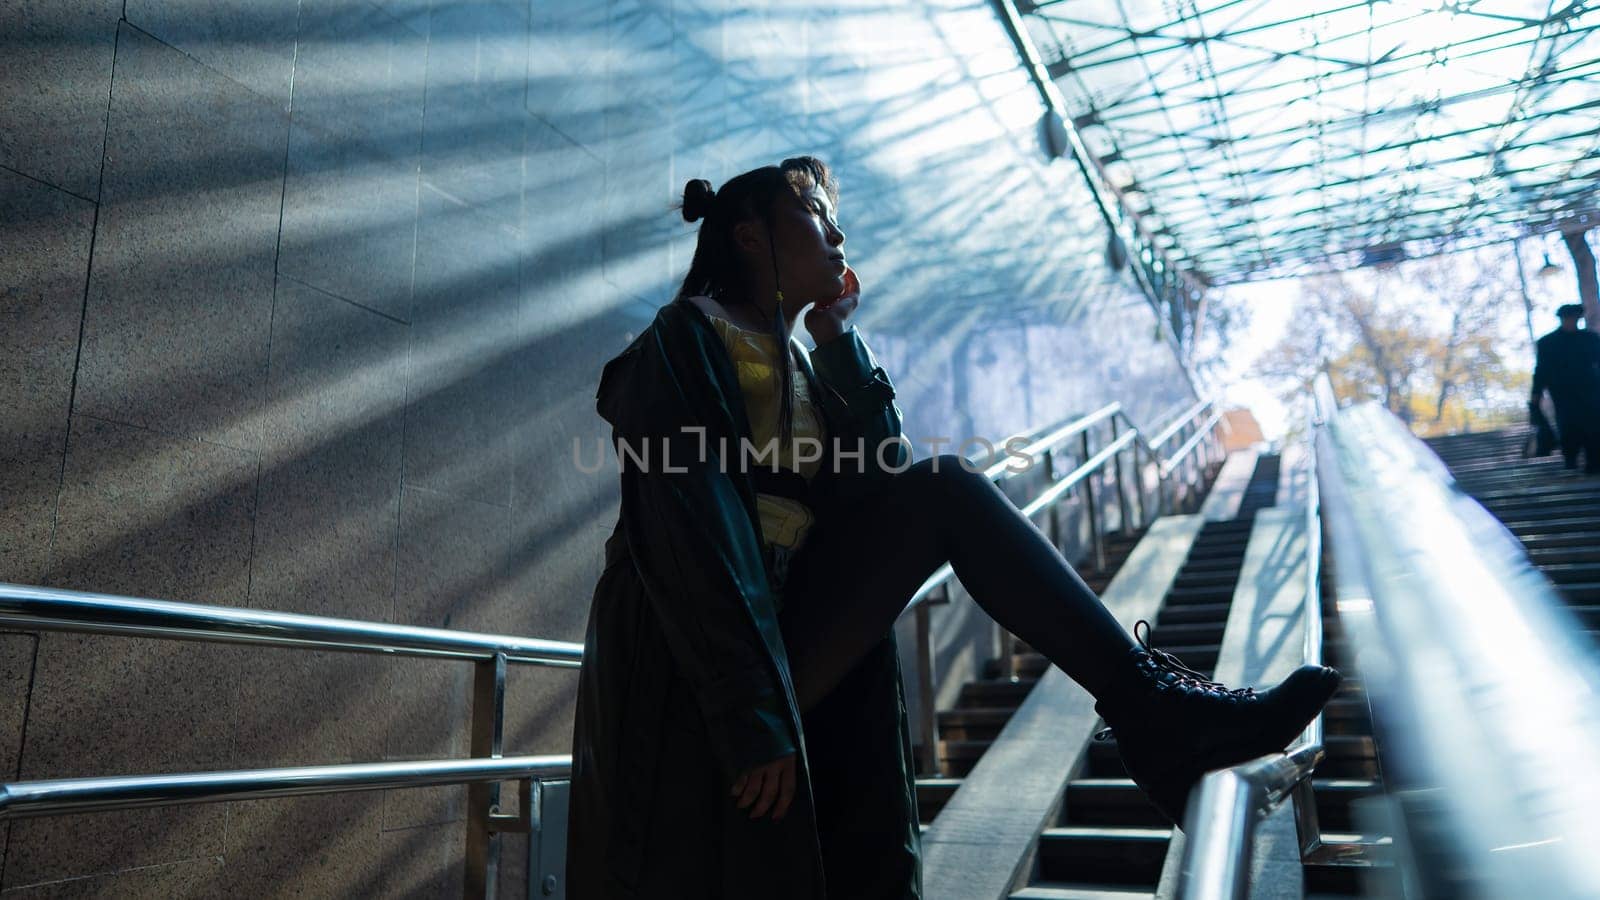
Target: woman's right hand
(828,321)
(769,786)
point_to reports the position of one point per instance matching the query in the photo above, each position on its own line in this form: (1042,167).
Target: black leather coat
(685,679)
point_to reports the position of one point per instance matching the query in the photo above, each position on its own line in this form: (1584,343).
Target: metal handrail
(1478,672)
(1139,439)
(54,609)
(1187,447)
(1176,425)
(1229,803)
(1473,661)
(1052,439)
(1089,467)
(1220,827)
(83,795)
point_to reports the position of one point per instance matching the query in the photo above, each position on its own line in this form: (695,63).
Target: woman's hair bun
(697,197)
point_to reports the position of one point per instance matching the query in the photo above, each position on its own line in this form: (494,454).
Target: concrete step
(1350,757)
(1188,633)
(1490,475)
(1336,798)
(1194,614)
(1557,507)
(1082,892)
(1109,802)
(1347,715)
(1128,856)
(1505,479)
(1553,556)
(1523,528)
(1206,547)
(1570,539)
(933,794)
(1196,564)
(1572,573)
(1535,491)
(1370,879)
(1221,547)
(1206,578)
(1234,525)
(1584,594)
(1028,665)
(1588,615)
(1196,595)
(956,758)
(974,723)
(994,692)
(1351,687)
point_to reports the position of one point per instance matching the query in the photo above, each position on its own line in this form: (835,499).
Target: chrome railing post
(1052,521)
(927,715)
(1122,494)
(1008,653)
(1095,539)
(482,869)
(1138,488)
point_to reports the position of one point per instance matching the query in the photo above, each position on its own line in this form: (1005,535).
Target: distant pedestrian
(1568,366)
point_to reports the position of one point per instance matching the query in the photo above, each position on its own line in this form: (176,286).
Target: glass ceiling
(1264,138)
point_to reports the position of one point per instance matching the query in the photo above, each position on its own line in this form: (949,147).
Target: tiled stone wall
(302,306)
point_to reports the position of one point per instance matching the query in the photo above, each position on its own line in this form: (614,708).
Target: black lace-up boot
(1173,725)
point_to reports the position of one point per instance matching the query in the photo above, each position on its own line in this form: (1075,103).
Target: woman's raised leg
(853,577)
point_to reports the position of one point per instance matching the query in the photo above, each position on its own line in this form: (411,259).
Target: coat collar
(730,379)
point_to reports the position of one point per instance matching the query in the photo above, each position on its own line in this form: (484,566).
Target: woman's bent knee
(947,470)
(944,462)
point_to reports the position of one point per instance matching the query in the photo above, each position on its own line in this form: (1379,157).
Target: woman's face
(810,248)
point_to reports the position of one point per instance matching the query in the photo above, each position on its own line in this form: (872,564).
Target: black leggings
(858,568)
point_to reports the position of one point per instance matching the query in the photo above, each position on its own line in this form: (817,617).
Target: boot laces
(1183,675)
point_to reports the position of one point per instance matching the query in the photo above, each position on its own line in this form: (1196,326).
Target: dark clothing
(686,681)
(1579,429)
(849,583)
(684,596)
(1568,366)
(1543,441)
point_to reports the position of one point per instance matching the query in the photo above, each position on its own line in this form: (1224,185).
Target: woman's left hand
(828,322)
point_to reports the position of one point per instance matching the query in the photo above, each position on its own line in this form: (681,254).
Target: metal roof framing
(1248,139)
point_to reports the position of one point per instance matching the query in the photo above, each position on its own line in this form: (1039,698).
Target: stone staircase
(1553,511)
(1109,841)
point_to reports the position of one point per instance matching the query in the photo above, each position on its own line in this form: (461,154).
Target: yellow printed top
(784,521)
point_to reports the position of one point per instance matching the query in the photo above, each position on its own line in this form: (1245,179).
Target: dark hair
(716,271)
